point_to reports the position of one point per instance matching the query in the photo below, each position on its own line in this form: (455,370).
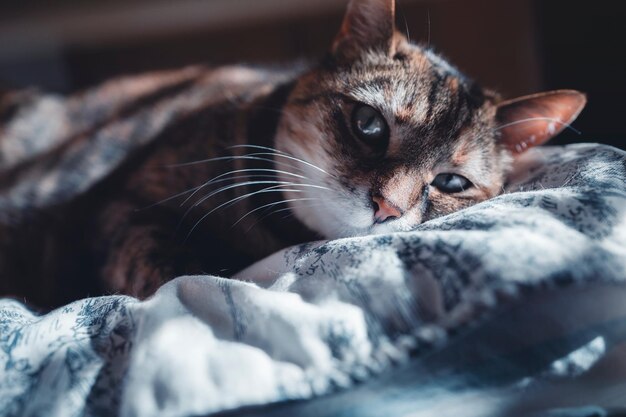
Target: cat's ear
(533,120)
(367,25)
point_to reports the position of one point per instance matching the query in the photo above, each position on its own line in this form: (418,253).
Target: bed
(515,306)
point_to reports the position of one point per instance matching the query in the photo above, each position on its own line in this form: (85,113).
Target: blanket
(513,304)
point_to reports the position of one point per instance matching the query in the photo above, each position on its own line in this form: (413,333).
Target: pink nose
(384,210)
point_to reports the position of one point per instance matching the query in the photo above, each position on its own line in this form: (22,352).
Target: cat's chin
(374,229)
(333,228)
(338,227)
(333,223)
(382,229)
(339,221)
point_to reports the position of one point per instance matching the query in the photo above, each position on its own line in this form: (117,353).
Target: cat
(378,137)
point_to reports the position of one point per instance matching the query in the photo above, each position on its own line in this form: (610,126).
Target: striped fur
(119,188)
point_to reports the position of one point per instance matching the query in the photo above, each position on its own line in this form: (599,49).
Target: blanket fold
(531,280)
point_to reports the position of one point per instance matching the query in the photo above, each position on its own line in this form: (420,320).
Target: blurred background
(514,46)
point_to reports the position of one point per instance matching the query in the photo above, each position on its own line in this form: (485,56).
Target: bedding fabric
(540,266)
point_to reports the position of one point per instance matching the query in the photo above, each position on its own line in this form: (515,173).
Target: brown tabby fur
(110,192)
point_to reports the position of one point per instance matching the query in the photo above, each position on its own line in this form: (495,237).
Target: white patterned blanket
(518,297)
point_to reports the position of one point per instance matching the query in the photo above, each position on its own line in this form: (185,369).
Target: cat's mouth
(385,228)
(376,227)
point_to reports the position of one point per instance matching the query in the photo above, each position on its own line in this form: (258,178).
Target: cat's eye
(370,126)
(451,183)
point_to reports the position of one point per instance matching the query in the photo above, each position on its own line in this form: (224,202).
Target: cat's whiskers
(238,171)
(252,156)
(165,200)
(223,158)
(259,156)
(276,152)
(273,189)
(252,183)
(267,148)
(293,158)
(272,152)
(320,204)
(276,187)
(272,205)
(195,189)
(272,212)
(226,188)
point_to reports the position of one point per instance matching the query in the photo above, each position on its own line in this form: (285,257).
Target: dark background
(514,46)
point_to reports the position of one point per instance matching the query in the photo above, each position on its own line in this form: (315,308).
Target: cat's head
(394,135)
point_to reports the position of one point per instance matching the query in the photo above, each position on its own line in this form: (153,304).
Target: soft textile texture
(329,315)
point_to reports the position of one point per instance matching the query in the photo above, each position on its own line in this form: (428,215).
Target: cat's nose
(384,210)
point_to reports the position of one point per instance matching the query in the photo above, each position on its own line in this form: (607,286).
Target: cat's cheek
(335,216)
(357,219)
(327,227)
(336,221)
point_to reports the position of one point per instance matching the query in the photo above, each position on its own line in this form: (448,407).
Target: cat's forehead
(411,89)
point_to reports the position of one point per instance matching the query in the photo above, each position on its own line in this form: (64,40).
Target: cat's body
(379,137)
(125,234)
